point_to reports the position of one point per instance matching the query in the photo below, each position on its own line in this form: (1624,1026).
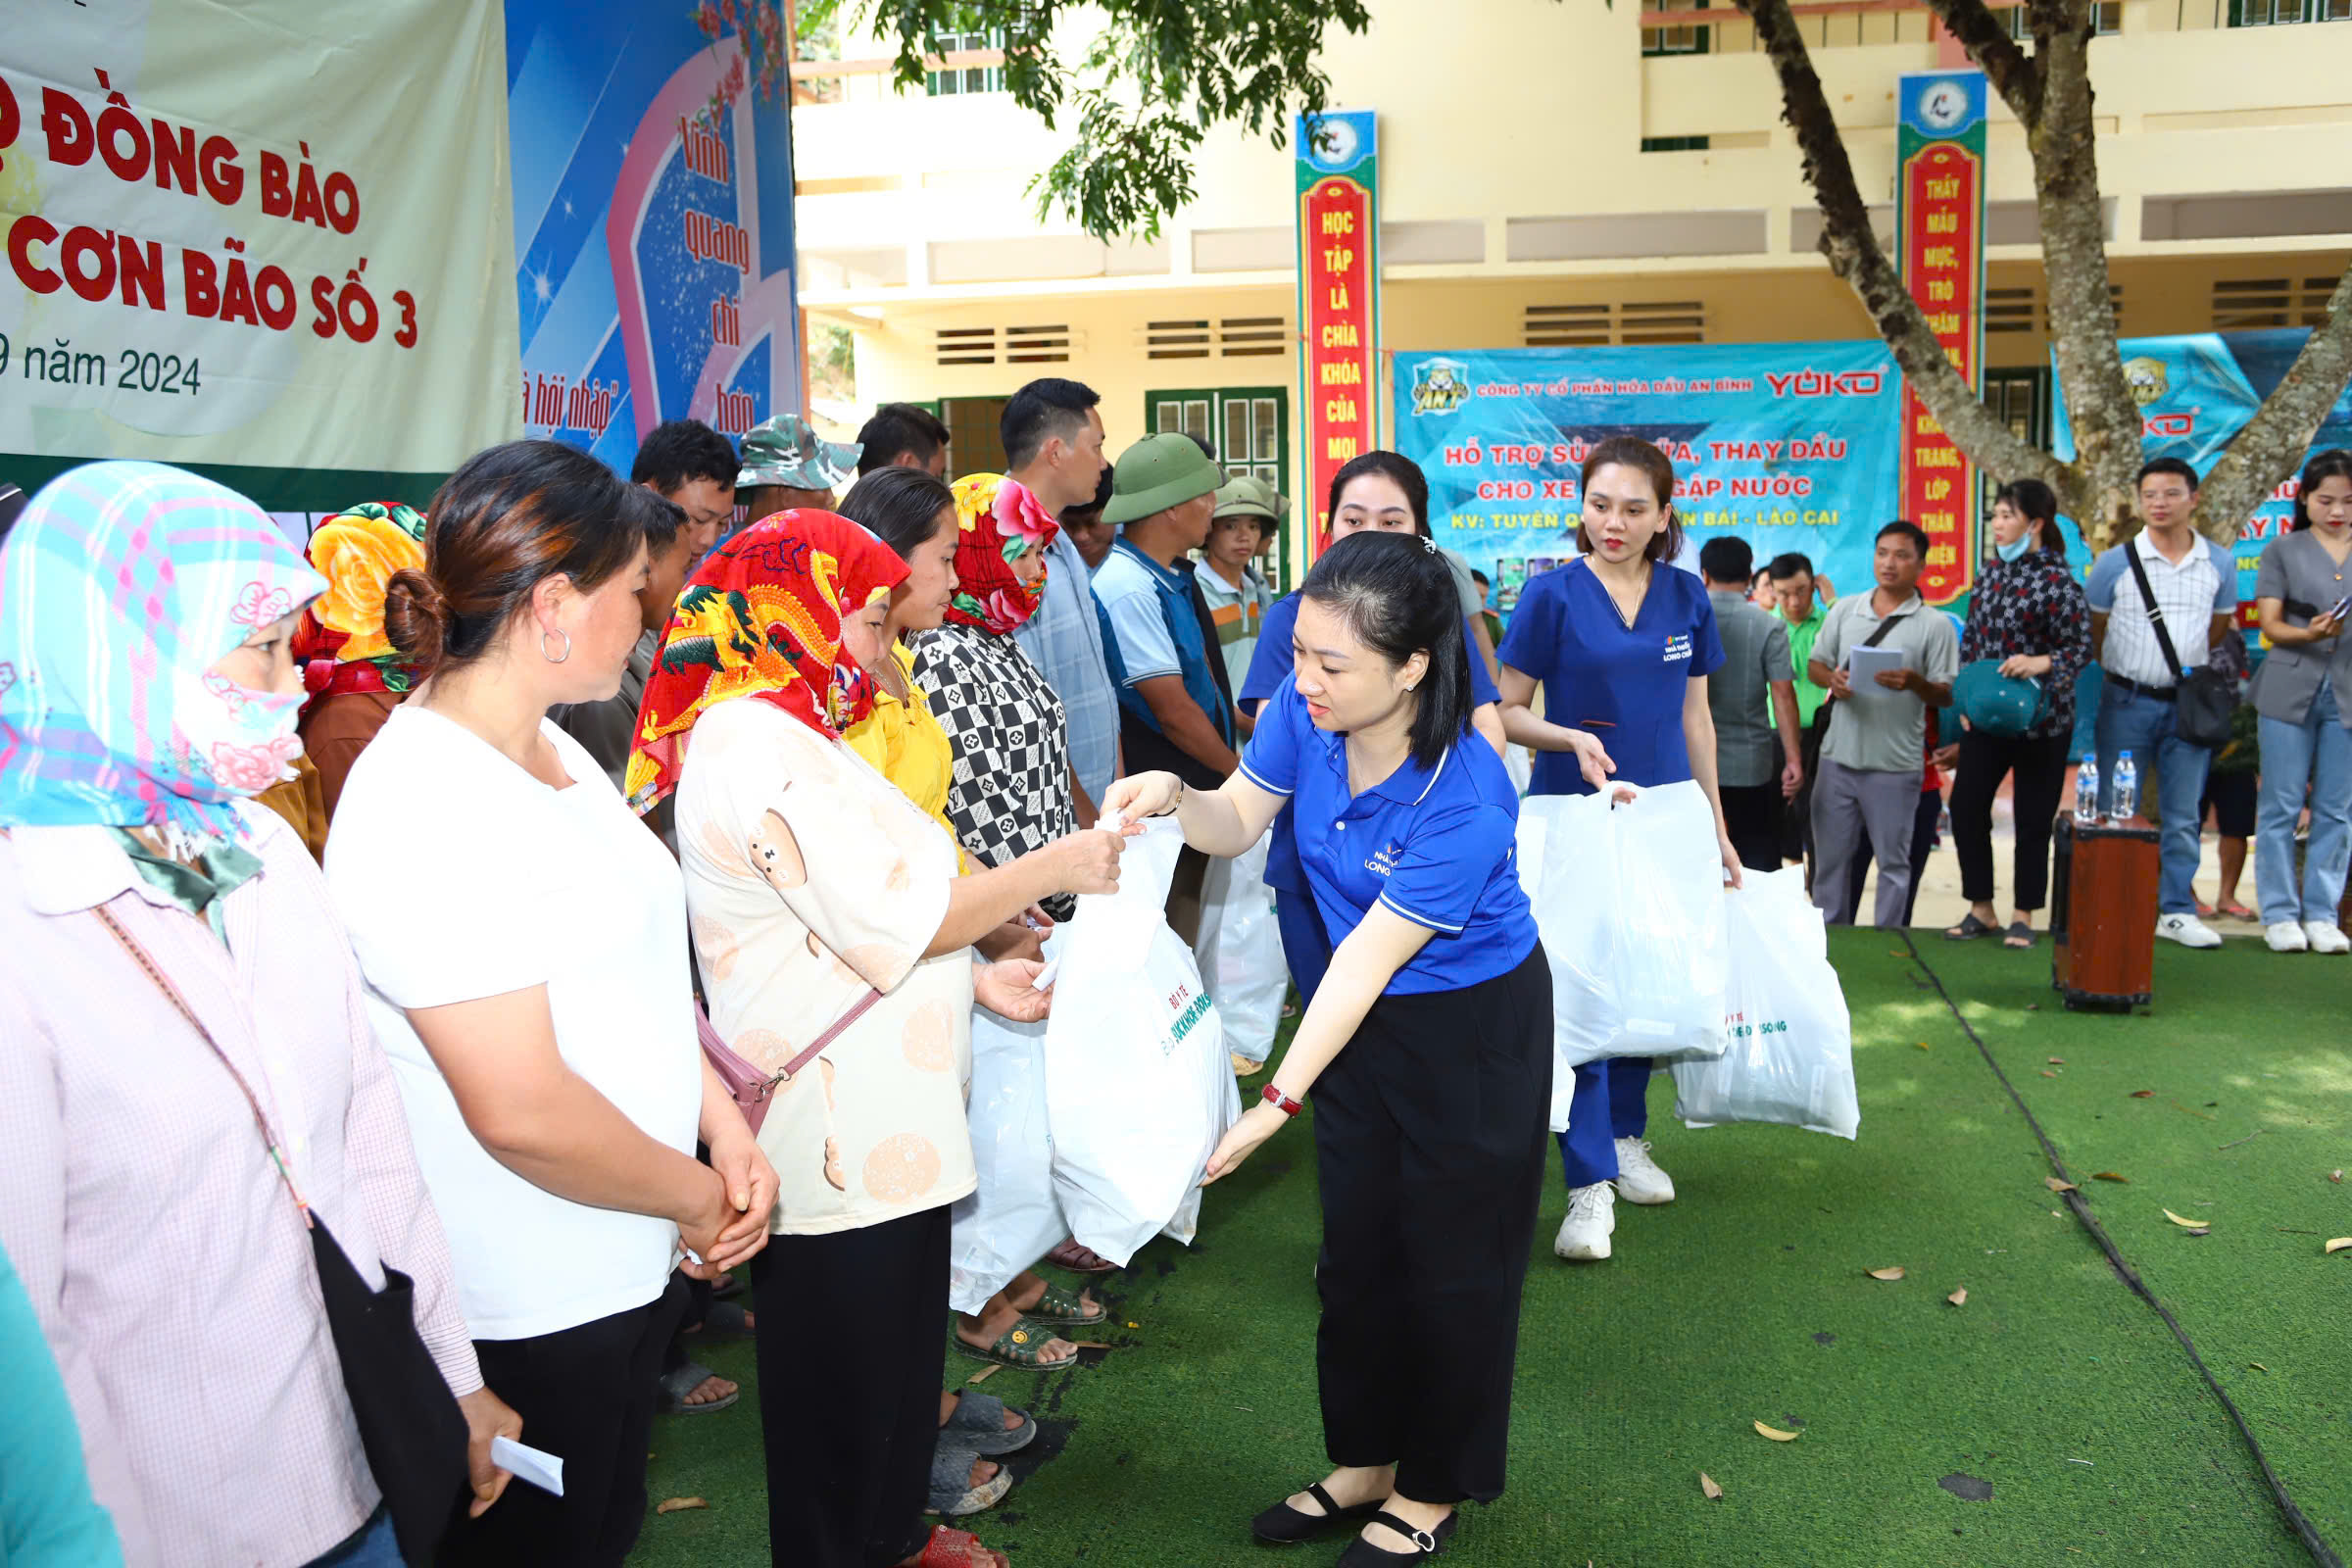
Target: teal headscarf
(120,586)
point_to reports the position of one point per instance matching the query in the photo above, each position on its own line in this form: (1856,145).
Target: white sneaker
(2187,930)
(1638,1178)
(1591,1215)
(2327,937)
(2285,936)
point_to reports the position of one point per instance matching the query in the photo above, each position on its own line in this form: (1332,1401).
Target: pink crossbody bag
(748,1084)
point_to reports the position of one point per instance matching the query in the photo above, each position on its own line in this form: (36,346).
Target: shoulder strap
(1879,634)
(162,983)
(793,1067)
(2139,575)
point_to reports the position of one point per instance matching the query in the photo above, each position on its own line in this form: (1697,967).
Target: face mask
(243,738)
(2024,541)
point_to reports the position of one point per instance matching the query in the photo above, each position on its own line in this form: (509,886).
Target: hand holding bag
(410,1429)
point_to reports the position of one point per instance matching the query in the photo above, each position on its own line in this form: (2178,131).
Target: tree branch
(2006,66)
(1854,254)
(2275,440)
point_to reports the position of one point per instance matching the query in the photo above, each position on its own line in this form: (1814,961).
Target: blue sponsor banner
(651,151)
(1791,446)
(2195,393)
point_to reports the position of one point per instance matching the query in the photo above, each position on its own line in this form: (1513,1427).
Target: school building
(1550,173)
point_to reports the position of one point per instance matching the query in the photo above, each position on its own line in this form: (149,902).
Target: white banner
(277,234)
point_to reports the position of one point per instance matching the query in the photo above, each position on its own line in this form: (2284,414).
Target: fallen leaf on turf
(2335,1175)
(1958,1298)
(2258,1366)
(1706,1484)
(984,1374)
(1884,1273)
(2109,1176)
(678,1505)
(1775,1434)
(2144,1093)
(2057,1061)
(2188,1224)
(2338,1245)
(1921,1043)
(2057,1185)
(2047,1073)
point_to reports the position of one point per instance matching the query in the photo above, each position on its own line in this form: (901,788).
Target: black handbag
(410,1425)
(2204,698)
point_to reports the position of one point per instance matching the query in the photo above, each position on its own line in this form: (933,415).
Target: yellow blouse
(903,743)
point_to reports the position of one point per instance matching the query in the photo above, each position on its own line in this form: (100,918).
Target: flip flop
(1969,929)
(952,1490)
(2019,936)
(675,1385)
(955,1549)
(726,1319)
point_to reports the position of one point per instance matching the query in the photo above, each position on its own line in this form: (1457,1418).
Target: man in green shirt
(1794,589)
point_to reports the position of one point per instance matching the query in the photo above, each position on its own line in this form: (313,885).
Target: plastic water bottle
(2086,790)
(2127,788)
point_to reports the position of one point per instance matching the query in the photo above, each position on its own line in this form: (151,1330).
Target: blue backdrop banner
(1791,446)
(652,150)
(2195,393)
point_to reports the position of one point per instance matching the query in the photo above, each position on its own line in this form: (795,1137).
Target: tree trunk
(2106,420)
(1854,254)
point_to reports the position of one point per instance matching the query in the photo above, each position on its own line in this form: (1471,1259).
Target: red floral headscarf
(761,617)
(997,521)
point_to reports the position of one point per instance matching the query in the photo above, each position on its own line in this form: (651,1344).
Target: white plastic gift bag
(1627,901)
(1666,925)
(1137,1086)
(1789,1055)
(1012,1218)
(1241,952)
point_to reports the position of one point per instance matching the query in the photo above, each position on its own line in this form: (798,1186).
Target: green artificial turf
(1749,1301)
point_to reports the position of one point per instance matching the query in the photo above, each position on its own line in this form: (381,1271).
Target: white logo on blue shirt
(1678,646)
(1384,861)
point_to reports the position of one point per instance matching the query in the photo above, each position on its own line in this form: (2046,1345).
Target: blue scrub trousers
(1611,1102)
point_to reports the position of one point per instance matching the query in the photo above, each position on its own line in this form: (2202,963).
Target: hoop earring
(556,658)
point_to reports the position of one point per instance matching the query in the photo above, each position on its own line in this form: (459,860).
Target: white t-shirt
(461,876)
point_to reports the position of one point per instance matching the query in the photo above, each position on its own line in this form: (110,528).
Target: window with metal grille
(1563,327)
(2278,13)
(2021,400)
(1689,39)
(2240,303)
(1249,428)
(2108,18)
(971,79)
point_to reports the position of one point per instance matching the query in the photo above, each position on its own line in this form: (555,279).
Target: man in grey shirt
(1756,666)
(1873,757)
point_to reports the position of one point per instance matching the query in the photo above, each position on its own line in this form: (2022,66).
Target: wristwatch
(1280,1100)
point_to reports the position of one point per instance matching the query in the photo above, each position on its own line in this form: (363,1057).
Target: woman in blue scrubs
(1379,492)
(1428,1046)
(1621,644)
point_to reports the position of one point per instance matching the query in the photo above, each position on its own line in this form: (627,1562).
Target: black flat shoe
(1285,1526)
(1427,1543)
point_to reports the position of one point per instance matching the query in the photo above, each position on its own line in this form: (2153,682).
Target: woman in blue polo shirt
(1378,492)
(1621,644)
(1428,1046)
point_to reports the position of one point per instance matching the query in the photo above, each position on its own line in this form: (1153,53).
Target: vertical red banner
(1339,289)
(1940,224)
